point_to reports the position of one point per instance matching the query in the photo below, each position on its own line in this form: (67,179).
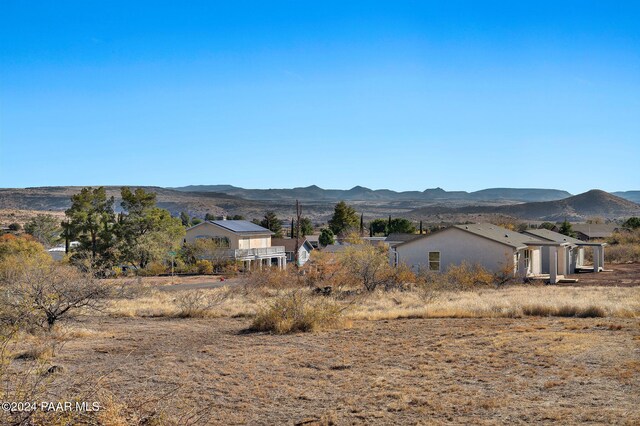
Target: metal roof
(499,234)
(549,235)
(290,243)
(241,226)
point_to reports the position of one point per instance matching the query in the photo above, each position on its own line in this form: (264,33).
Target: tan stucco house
(240,240)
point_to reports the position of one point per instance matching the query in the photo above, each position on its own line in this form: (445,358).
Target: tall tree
(566,229)
(91,220)
(344,218)
(146,233)
(44,228)
(402,226)
(361,224)
(272,223)
(185,218)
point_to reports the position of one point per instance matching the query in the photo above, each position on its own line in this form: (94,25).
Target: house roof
(595,230)
(335,248)
(499,234)
(548,235)
(395,238)
(290,243)
(240,227)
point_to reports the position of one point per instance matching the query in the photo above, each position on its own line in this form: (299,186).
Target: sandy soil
(418,371)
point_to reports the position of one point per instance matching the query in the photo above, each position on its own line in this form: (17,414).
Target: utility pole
(298,217)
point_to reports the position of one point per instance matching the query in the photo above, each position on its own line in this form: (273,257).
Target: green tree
(186,219)
(326,237)
(306,227)
(44,228)
(632,223)
(209,217)
(344,218)
(272,223)
(378,227)
(547,225)
(237,217)
(15,226)
(91,222)
(402,226)
(146,233)
(566,229)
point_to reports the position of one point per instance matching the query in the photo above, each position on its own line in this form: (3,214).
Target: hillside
(360,193)
(59,199)
(628,195)
(574,208)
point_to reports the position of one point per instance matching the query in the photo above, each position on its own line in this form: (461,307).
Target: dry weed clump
(298,311)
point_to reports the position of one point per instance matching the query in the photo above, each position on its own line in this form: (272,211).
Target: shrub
(197,304)
(41,295)
(466,276)
(297,311)
(367,265)
(152,269)
(204,267)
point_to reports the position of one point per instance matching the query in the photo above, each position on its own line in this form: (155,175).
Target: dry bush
(367,265)
(204,267)
(324,269)
(40,295)
(623,247)
(298,311)
(152,269)
(198,304)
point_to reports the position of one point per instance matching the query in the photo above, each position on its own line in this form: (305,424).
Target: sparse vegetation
(298,310)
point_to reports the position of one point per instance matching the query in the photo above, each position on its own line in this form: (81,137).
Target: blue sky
(400,95)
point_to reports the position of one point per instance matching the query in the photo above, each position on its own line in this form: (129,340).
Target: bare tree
(43,294)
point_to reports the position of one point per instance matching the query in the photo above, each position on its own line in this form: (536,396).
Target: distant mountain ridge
(575,208)
(360,193)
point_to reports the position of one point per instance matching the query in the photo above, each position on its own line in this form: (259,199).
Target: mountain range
(360,193)
(432,205)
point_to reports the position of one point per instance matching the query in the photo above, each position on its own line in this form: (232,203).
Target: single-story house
(490,246)
(240,240)
(289,244)
(594,231)
(396,238)
(573,255)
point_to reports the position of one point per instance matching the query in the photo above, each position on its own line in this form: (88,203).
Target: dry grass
(509,302)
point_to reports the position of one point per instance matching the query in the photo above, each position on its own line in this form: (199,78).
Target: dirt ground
(621,275)
(416,371)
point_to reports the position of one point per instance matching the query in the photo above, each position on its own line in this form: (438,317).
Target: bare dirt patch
(417,371)
(621,275)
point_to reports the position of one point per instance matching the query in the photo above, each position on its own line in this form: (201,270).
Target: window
(527,260)
(434,260)
(222,242)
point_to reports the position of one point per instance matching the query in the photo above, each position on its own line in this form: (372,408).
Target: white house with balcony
(240,240)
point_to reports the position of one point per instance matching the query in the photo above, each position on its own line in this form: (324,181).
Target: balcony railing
(249,254)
